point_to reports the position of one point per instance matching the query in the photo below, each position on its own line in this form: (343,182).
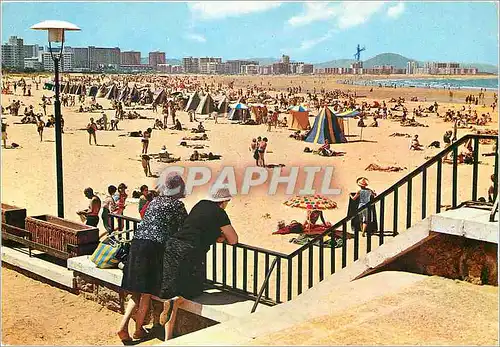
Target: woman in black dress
(185,251)
(142,274)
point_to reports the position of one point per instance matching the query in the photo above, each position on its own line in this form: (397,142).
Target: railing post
(289,280)
(214,262)
(455,178)
(439,173)
(310,267)
(235,268)
(344,245)
(224,264)
(409,200)
(264,285)
(321,257)
(255,271)
(299,273)
(382,222)
(396,211)
(278,280)
(475,169)
(424,193)
(266,270)
(245,269)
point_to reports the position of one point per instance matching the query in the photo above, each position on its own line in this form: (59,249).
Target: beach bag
(109,253)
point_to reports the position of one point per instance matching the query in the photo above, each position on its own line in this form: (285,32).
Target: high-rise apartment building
(80,58)
(13,53)
(191,65)
(130,58)
(209,65)
(100,57)
(65,64)
(156,58)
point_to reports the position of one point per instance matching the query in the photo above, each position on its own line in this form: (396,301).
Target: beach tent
(159,96)
(48,86)
(124,93)
(112,92)
(65,89)
(223,105)
(134,94)
(206,105)
(79,90)
(92,91)
(258,112)
(72,89)
(193,102)
(239,112)
(326,126)
(299,118)
(346,115)
(102,91)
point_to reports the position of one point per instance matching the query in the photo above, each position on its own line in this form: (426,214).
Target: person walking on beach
(92,129)
(143,272)
(145,165)
(145,140)
(255,151)
(4,134)
(262,151)
(92,213)
(40,125)
(364,196)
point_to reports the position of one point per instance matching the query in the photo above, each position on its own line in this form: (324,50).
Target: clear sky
(307,31)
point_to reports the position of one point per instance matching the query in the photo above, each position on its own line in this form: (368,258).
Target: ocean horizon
(435,83)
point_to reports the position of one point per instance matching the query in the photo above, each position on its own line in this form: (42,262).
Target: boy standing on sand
(4,134)
(92,213)
(145,165)
(91,129)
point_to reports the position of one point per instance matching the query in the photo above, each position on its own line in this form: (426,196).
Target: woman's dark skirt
(143,270)
(184,270)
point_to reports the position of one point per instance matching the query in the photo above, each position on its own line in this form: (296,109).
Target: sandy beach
(28,172)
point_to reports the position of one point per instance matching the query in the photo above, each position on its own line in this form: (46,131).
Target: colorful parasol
(314,202)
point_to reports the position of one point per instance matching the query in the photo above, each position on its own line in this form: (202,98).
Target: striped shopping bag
(104,257)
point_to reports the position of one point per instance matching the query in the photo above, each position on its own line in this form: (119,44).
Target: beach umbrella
(313,202)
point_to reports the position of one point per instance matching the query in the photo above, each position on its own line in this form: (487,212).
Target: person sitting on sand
(195,156)
(325,149)
(92,129)
(177,126)
(374,124)
(158,124)
(415,144)
(92,213)
(145,165)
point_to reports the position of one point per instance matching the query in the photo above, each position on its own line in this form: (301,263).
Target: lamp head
(55,29)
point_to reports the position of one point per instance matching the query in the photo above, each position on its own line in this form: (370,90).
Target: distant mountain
(174,61)
(262,61)
(335,63)
(396,60)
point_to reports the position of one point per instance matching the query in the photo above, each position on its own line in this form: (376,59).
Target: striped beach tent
(326,126)
(299,118)
(193,102)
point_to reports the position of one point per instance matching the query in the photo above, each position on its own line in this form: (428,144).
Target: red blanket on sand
(314,230)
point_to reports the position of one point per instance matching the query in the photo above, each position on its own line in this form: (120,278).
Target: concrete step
(20,258)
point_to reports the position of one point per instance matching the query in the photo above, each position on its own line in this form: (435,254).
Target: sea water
(436,83)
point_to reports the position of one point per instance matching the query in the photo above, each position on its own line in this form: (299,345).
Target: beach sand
(28,173)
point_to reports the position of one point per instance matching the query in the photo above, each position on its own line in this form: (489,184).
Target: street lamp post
(56,30)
